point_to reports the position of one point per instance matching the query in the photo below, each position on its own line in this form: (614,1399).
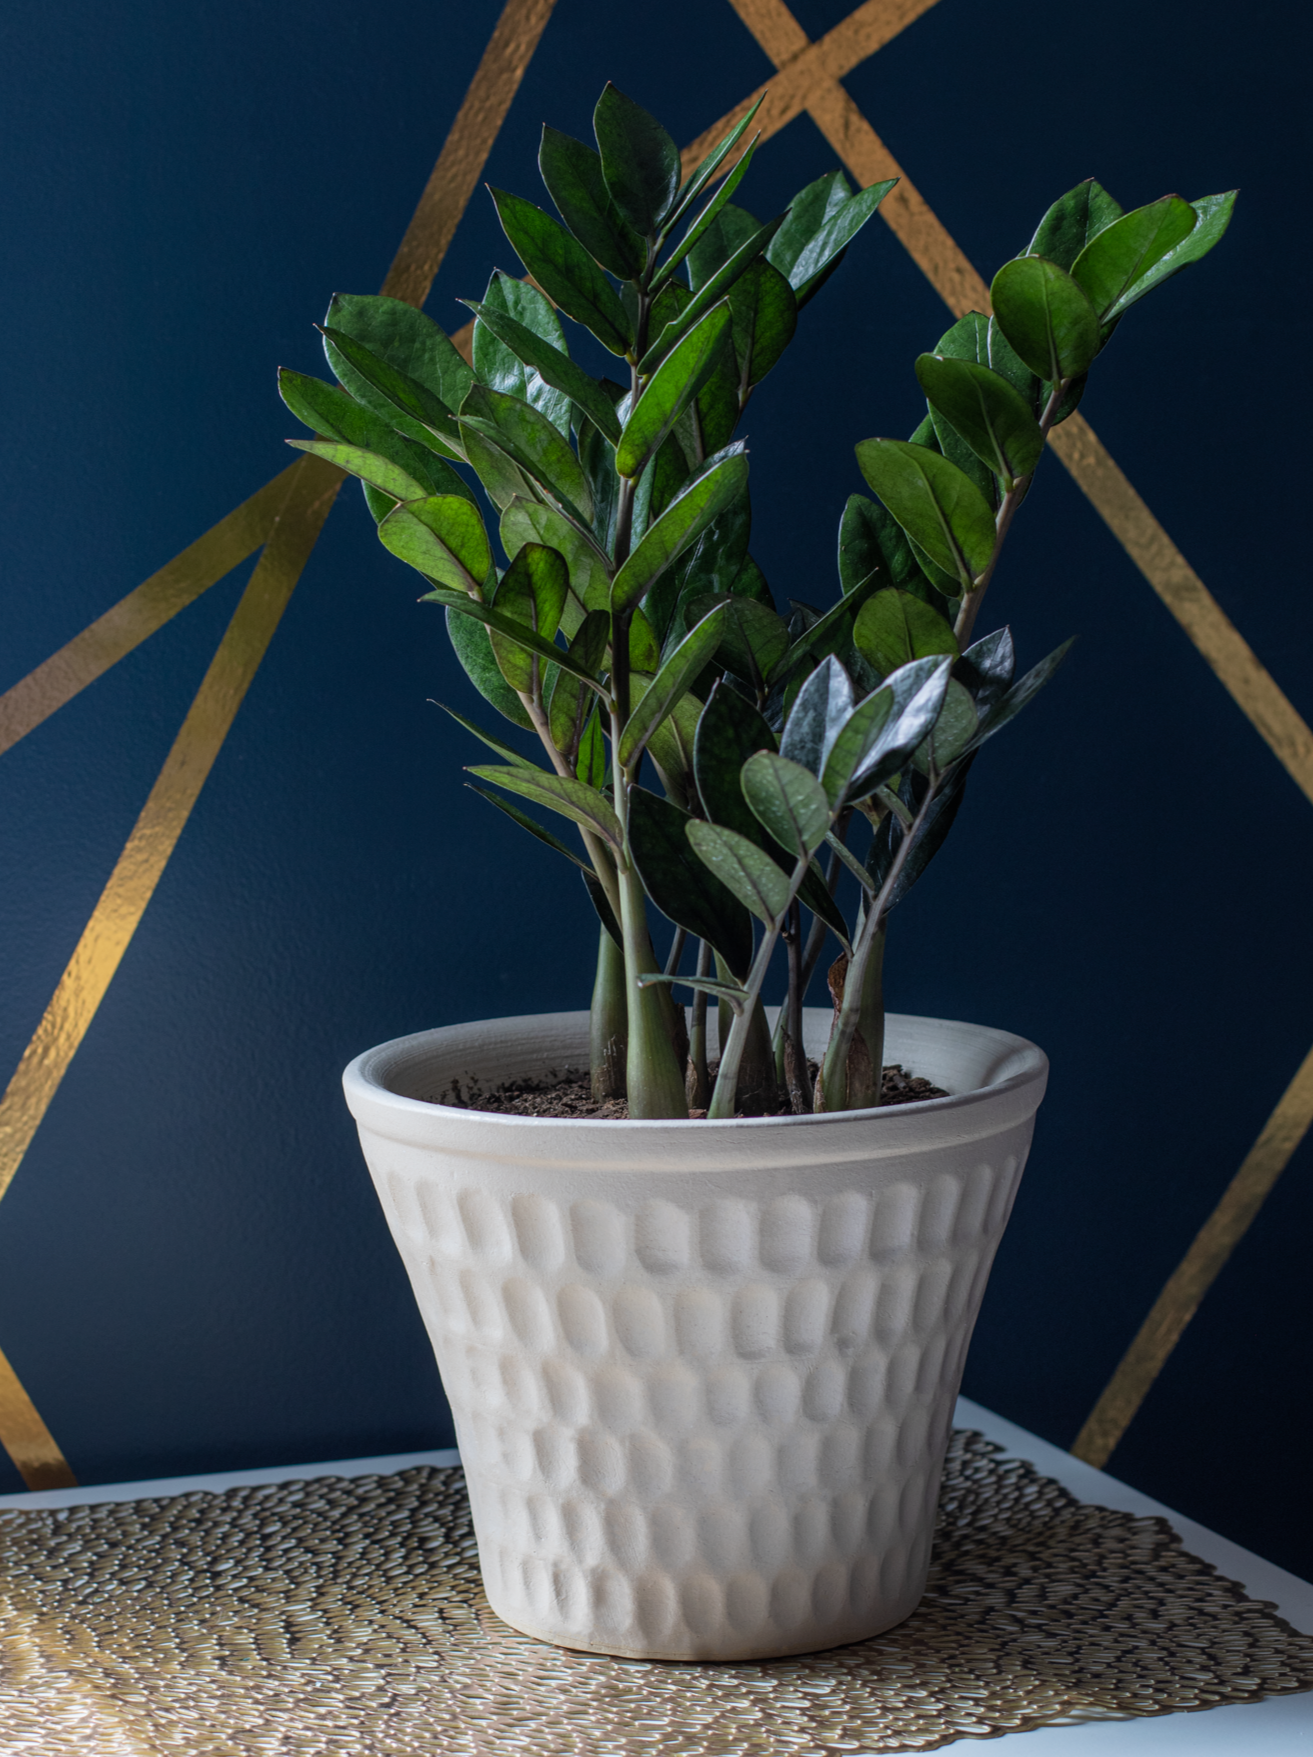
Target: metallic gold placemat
(345,1615)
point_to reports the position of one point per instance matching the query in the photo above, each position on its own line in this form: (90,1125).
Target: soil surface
(570,1096)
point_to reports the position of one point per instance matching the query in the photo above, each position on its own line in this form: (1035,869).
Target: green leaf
(1112,263)
(712,163)
(398,401)
(1021,693)
(378,471)
(473,648)
(331,412)
(979,340)
(822,706)
(644,648)
(753,639)
(834,235)
(573,799)
(530,521)
(515,631)
(894,627)
(1046,317)
(568,702)
(532,591)
(671,389)
(861,549)
(502,368)
(788,800)
(640,161)
(527,823)
(742,867)
(854,742)
(536,447)
(940,508)
(679,884)
(592,764)
(564,270)
(572,172)
(501,477)
(710,213)
(709,565)
(671,681)
(731,228)
(711,293)
(765,317)
(953,730)
(1213,217)
(402,336)
(733,992)
(808,212)
(1076,217)
(826,633)
(490,739)
(554,367)
(917,691)
(683,521)
(992,417)
(443,536)
(986,667)
(671,747)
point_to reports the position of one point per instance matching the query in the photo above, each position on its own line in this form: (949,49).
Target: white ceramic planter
(702,1373)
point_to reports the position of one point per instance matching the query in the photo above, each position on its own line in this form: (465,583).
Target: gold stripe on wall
(1199,1268)
(27,1439)
(302,496)
(129,622)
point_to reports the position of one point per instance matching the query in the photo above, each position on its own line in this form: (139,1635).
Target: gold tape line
(26,1437)
(1251,687)
(129,622)
(309,488)
(1199,1268)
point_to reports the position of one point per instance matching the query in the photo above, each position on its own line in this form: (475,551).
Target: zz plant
(632,631)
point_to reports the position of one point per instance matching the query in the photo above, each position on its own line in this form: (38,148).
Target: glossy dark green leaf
(532,591)
(861,551)
(593,764)
(1005,360)
(1022,692)
(527,823)
(1123,253)
(331,412)
(742,867)
(597,455)
(787,800)
(402,336)
(473,648)
(1046,317)
(940,508)
(506,751)
(671,389)
(934,828)
(551,365)
(502,368)
(824,635)
(953,731)
(584,805)
(824,703)
(671,748)
(671,681)
(572,172)
(709,294)
(640,161)
(714,415)
(502,478)
(979,340)
(564,270)
(708,566)
(893,627)
(709,215)
(443,536)
(1076,217)
(918,691)
(834,235)
(658,484)
(765,315)
(378,471)
(644,648)
(536,447)
(987,666)
(692,189)
(570,699)
(808,212)
(1213,217)
(678,883)
(856,738)
(753,639)
(732,227)
(398,401)
(515,631)
(680,525)
(992,417)
(530,521)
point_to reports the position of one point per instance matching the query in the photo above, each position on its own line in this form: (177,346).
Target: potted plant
(702,1348)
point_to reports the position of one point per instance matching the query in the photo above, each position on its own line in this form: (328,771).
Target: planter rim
(880,1130)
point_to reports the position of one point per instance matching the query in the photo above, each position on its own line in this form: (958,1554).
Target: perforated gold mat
(345,1616)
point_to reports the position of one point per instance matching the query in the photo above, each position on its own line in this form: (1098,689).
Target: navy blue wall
(193,1274)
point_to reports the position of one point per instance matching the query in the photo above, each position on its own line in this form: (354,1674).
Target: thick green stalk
(697,1081)
(749,1033)
(795,1053)
(855,1082)
(608,1026)
(654,1079)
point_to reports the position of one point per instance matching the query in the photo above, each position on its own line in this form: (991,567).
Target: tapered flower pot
(702,1373)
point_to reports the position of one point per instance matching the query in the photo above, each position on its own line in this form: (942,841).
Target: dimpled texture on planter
(702,1374)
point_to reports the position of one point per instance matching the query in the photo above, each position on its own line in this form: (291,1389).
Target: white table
(1282,1726)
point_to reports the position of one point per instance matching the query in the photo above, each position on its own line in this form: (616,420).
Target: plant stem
(795,1055)
(832,1086)
(676,950)
(966,616)
(697,1084)
(747,1018)
(607,1023)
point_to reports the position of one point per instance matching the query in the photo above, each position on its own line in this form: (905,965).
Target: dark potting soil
(571,1096)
